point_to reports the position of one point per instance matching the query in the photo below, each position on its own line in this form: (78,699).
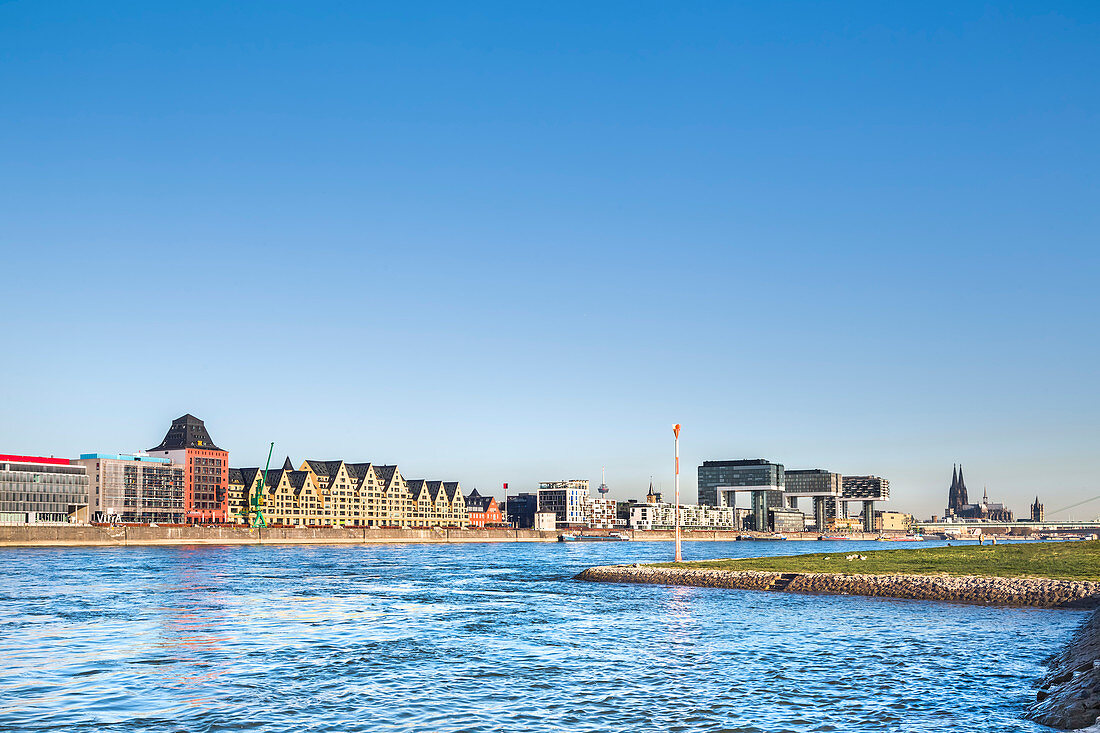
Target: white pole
(676,434)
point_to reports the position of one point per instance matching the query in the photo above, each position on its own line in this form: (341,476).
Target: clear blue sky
(510,242)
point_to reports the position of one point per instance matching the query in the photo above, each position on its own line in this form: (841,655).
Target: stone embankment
(1036,592)
(1069,696)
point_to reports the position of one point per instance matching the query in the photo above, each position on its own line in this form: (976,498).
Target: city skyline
(518,244)
(936,497)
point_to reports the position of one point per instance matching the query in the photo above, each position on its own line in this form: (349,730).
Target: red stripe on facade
(35,459)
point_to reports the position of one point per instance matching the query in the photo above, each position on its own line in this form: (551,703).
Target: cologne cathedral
(958,506)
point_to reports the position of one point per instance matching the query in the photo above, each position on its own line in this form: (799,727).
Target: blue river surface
(487,637)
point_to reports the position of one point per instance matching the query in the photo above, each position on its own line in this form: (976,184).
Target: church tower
(961,490)
(1037,512)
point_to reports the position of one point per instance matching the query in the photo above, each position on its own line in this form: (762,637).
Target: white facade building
(663,516)
(566,499)
(571,504)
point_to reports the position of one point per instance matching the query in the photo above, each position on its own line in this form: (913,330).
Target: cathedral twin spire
(956,497)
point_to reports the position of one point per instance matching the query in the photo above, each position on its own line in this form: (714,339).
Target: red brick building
(483,511)
(206,470)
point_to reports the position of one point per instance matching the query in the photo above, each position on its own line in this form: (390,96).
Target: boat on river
(610,537)
(834,537)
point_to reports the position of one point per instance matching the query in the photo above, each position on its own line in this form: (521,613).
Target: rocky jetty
(986,591)
(1069,696)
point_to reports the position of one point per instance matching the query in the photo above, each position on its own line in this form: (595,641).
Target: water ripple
(483,638)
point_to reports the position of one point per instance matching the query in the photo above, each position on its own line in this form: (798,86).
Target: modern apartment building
(600,513)
(343,494)
(572,505)
(35,489)
(205,469)
(694,517)
(721,481)
(134,488)
(566,499)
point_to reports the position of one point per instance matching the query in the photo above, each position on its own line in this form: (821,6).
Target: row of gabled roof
(357,472)
(450,489)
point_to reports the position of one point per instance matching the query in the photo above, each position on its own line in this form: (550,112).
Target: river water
(486,637)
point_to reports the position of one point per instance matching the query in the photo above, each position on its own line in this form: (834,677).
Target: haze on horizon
(498,243)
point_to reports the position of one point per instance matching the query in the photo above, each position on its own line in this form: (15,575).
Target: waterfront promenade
(117,535)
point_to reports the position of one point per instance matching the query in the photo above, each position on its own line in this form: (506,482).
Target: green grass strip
(1058,560)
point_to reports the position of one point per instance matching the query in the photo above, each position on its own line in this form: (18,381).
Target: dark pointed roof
(434,487)
(186,432)
(452,489)
(287,465)
(962,488)
(324,469)
(235,476)
(272,479)
(248,476)
(298,480)
(358,471)
(385,473)
(477,502)
(415,485)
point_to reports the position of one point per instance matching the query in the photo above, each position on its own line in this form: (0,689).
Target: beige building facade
(342,494)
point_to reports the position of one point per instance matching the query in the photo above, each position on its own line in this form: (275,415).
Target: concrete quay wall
(1035,592)
(120,535)
(91,536)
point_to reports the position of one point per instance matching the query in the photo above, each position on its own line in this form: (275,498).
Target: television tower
(603,482)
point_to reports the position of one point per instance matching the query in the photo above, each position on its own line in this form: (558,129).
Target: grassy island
(1055,560)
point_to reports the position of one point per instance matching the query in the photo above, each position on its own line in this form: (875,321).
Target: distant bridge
(1062,525)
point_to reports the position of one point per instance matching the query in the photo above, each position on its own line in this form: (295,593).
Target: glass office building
(36,489)
(743,475)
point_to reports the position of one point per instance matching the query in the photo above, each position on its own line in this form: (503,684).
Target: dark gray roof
(249,476)
(298,480)
(273,478)
(452,489)
(358,471)
(287,465)
(434,487)
(327,469)
(186,432)
(235,476)
(385,473)
(415,487)
(477,502)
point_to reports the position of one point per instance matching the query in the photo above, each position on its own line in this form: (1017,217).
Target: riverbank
(1069,695)
(980,590)
(1058,560)
(123,535)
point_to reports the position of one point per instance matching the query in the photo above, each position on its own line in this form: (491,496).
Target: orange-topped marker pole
(676,435)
